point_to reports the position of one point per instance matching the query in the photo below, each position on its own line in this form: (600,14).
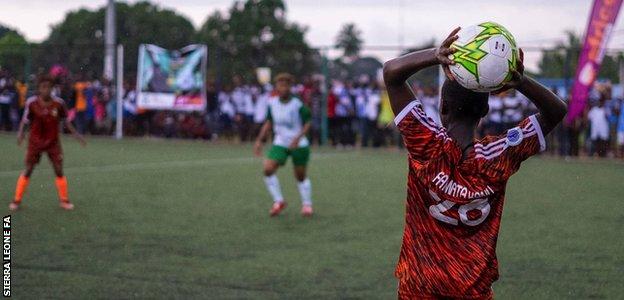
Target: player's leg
(21,186)
(56,157)
(301,156)
(276,156)
(32,158)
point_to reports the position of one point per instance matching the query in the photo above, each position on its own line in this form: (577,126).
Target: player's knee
(29,170)
(269,170)
(300,175)
(58,170)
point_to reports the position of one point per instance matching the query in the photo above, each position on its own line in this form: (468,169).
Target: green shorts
(300,156)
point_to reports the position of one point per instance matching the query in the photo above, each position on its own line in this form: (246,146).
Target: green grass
(178,219)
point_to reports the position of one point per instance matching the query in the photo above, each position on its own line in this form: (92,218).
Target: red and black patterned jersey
(44,119)
(454,205)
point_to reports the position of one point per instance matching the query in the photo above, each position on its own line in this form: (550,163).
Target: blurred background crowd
(358,113)
(341,82)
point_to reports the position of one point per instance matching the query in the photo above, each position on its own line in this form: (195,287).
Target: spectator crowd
(358,113)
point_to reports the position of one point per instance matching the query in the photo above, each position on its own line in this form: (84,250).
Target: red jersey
(454,206)
(44,119)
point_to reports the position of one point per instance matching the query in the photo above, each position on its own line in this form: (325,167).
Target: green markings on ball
(469,55)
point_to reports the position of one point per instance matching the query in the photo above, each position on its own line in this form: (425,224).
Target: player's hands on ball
(445,50)
(517,75)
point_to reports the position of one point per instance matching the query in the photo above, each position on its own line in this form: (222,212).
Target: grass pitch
(179,219)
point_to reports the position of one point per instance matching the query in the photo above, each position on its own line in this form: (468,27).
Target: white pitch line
(160,165)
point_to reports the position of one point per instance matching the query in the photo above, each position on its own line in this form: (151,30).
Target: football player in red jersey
(43,113)
(456,183)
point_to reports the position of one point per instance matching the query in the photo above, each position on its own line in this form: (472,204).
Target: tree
(4,30)
(14,52)
(254,34)
(562,60)
(349,39)
(78,41)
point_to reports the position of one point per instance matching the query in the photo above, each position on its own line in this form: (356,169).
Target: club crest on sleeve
(514,136)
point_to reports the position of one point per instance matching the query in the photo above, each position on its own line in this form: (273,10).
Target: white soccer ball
(486,53)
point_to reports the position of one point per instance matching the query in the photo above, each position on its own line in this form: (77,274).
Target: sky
(382,22)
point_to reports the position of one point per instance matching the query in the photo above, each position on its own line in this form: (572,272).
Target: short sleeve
(305,114)
(509,150)
(421,135)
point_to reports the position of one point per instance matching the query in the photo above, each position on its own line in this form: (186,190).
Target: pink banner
(602,18)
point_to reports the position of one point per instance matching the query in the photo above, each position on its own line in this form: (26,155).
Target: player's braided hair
(462,103)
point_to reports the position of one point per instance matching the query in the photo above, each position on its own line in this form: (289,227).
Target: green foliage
(350,40)
(561,61)
(78,41)
(255,33)
(14,53)
(4,30)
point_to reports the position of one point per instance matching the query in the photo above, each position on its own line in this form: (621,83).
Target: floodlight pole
(109,40)
(325,95)
(119,93)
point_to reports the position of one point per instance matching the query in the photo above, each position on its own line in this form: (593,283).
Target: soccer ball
(485,55)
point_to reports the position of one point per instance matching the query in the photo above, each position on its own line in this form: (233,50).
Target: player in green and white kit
(289,119)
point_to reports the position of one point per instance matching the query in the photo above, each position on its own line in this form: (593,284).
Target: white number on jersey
(437,210)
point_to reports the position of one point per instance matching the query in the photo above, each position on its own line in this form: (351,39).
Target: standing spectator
(226,110)
(80,103)
(261,108)
(373,101)
(332,120)
(344,113)
(512,109)
(620,129)
(21,89)
(212,108)
(7,94)
(385,120)
(361,98)
(495,116)
(599,128)
(243,107)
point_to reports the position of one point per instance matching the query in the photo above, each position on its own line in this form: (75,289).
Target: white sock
(273,185)
(305,190)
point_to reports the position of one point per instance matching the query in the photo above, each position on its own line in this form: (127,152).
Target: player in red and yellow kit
(43,113)
(456,183)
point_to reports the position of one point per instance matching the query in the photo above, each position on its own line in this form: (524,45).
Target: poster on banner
(172,79)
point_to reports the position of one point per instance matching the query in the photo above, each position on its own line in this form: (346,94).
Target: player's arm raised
(398,70)
(551,108)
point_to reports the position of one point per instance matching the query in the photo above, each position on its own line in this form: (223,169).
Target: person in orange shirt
(80,105)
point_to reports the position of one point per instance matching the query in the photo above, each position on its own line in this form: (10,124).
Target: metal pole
(119,93)
(324,125)
(109,40)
